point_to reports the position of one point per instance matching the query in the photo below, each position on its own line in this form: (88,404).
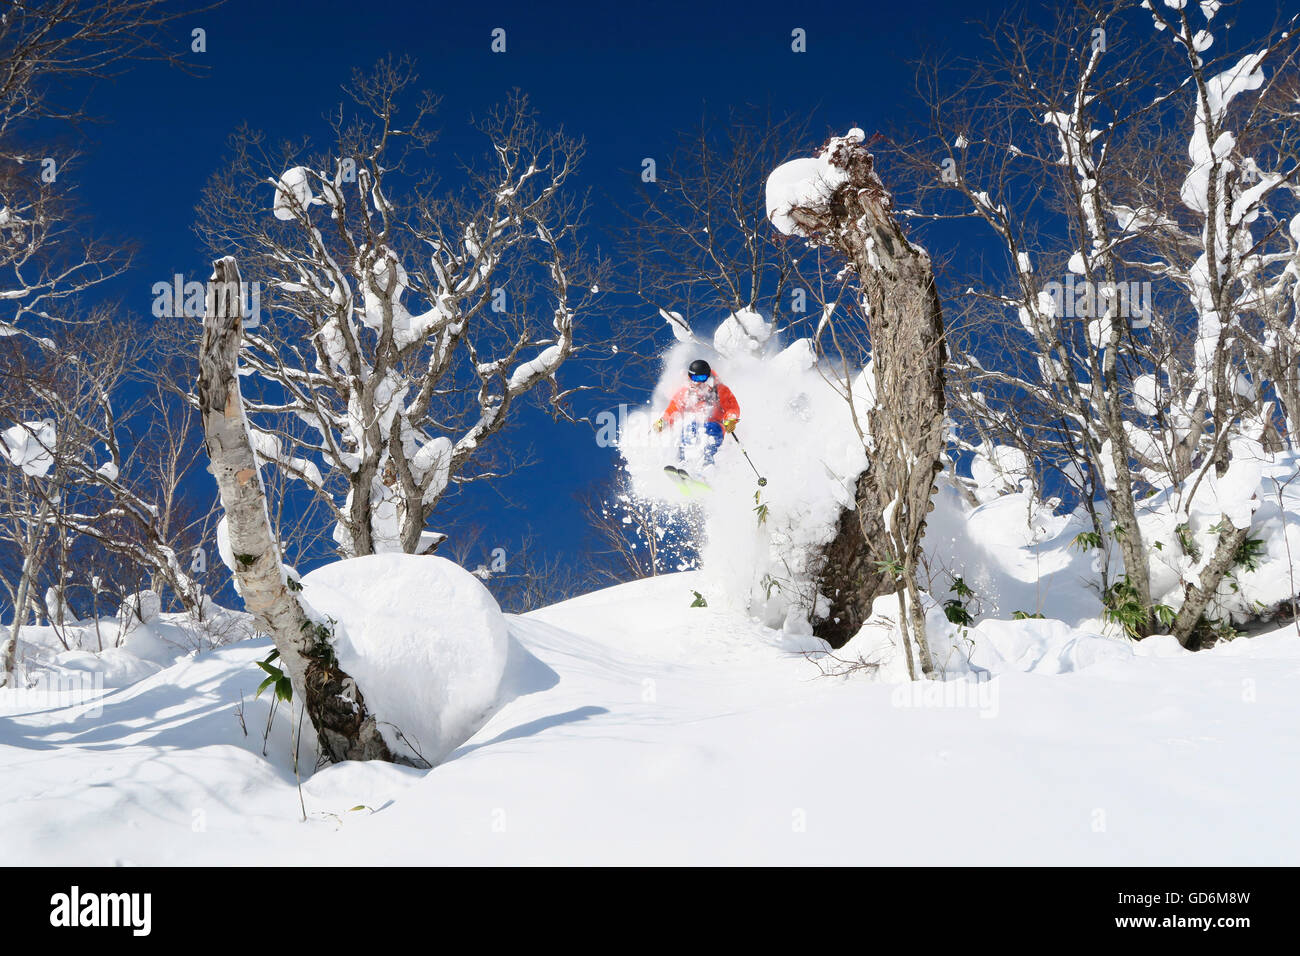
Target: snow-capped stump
(424,640)
(806,181)
(836,199)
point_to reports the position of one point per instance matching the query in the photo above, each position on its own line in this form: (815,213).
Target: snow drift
(651,733)
(424,640)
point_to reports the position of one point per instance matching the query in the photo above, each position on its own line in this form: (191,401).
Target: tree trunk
(849,576)
(344,728)
(906,426)
(31,564)
(1124,511)
(1197,598)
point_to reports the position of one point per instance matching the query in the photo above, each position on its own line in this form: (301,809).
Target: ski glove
(729,424)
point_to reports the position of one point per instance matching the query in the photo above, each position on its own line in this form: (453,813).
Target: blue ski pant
(712,439)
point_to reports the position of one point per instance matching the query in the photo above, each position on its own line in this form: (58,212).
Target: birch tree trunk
(344,728)
(1197,597)
(31,564)
(877,548)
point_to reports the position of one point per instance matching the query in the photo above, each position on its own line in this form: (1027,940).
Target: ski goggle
(703,377)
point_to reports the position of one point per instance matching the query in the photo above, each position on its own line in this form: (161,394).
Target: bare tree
(47,47)
(697,240)
(26,504)
(523,576)
(93,474)
(639,537)
(407,320)
(1067,141)
(49,50)
(877,548)
(345,729)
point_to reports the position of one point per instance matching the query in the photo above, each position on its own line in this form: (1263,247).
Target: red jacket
(708,401)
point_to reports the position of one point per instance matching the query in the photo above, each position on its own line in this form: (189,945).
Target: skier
(704,404)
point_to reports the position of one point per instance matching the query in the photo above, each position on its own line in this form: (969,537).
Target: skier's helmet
(699,371)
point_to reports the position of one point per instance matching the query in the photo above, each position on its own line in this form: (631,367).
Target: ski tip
(687,483)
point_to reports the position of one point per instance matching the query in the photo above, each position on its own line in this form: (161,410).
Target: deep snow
(635,729)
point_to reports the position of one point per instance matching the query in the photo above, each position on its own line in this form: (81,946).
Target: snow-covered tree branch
(405,320)
(1137,345)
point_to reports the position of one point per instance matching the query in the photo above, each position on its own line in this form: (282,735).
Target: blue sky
(626,77)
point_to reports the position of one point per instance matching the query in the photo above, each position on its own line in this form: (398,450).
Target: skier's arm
(672,411)
(729,406)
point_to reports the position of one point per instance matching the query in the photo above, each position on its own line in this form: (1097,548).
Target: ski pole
(761,480)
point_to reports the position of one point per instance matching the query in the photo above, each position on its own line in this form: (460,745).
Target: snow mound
(425,641)
(117,651)
(991,648)
(1041,646)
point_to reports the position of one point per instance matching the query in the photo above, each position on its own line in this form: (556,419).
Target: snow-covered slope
(633,729)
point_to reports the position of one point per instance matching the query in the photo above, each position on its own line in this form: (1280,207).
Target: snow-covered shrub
(143,606)
(1019,552)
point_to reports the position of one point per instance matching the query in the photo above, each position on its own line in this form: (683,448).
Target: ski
(685,481)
